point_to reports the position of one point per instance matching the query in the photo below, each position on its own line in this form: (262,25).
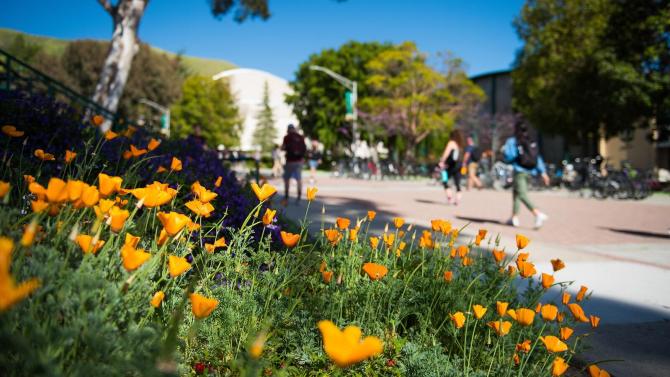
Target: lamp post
(165,127)
(353,87)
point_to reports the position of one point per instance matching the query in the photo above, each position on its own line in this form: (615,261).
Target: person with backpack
(449,163)
(471,156)
(295,148)
(522,152)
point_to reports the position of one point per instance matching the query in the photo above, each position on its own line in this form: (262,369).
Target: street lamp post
(353,87)
(165,128)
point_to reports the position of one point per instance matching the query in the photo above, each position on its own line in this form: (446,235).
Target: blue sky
(478,31)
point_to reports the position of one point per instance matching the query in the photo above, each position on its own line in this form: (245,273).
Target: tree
(593,68)
(319,101)
(206,107)
(411,99)
(126,16)
(265,132)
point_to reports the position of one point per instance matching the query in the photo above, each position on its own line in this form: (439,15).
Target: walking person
(522,152)
(313,160)
(449,163)
(295,148)
(471,157)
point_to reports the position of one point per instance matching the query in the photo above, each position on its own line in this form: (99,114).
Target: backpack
(476,154)
(527,154)
(295,147)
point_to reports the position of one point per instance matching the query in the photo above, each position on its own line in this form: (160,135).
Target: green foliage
(319,101)
(265,132)
(410,99)
(593,66)
(207,107)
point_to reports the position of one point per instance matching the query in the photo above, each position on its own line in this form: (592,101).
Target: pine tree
(265,133)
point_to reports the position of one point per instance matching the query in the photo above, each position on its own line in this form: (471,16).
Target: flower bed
(132,266)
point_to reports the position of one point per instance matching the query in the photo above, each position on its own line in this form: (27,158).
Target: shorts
(293,170)
(313,164)
(472,168)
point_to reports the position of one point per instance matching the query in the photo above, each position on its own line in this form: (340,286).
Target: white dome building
(247,86)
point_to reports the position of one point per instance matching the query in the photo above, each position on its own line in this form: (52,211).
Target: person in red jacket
(295,148)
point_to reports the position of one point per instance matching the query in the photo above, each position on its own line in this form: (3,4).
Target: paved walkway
(619,249)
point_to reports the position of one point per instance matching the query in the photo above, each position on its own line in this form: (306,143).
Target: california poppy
(501,308)
(256,348)
(547,280)
(136,152)
(467,261)
(389,238)
(353,234)
(375,271)
(582,292)
(39,205)
(577,312)
(155,194)
(595,371)
(371,215)
(173,222)
(311,193)
(426,241)
(435,224)
(521,241)
(289,239)
(111,135)
(109,185)
(97,120)
(177,265)
(498,255)
(526,269)
(218,181)
(11,293)
(525,316)
(202,193)
(345,347)
(566,298)
(553,344)
(448,276)
(558,367)
(153,144)
(374,242)
(133,258)
(594,321)
(157,299)
(42,155)
(200,208)
(557,264)
(511,313)
(398,221)
(211,247)
(29,234)
(501,327)
(326,276)
(458,319)
(479,311)
(268,216)
(70,156)
(87,245)
(202,306)
(161,169)
(462,251)
(565,333)
(333,236)
(549,312)
(175,164)
(342,223)
(523,346)
(56,192)
(162,237)
(264,192)
(118,217)
(11,131)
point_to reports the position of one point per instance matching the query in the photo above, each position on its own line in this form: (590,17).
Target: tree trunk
(126,15)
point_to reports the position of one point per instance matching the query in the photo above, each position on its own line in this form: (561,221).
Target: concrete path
(618,249)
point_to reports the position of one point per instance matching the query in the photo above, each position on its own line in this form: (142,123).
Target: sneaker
(540,219)
(514,221)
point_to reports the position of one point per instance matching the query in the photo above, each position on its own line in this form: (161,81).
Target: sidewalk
(618,249)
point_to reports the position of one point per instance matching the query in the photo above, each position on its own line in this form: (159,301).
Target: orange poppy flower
(498,255)
(153,144)
(389,238)
(177,265)
(458,319)
(161,169)
(595,321)
(511,270)
(375,271)
(211,247)
(525,316)
(526,269)
(479,311)
(311,193)
(130,131)
(566,298)
(28,178)
(202,193)
(557,264)
(42,155)
(29,234)
(70,156)
(175,164)
(105,205)
(11,293)
(426,241)
(594,371)
(345,347)
(445,228)
(97,120)
(582,292)
(264,192)
(501,308)
(558,367)
(202,306)
(565,333)
(553,344)
(218,181)
(398,221)
(133,258)
(333,236)
(268,216)
(523,346)
(374,242)
(560,316)
(353,234)
(131,240)
(38,205)
(109,185)
(173,222)
(371,215)
(118,218)
(327,276)
(11,131)
(55,191)
(111,135)
(521,241)
(538,307)
(448,276)
(577,312)
(157,299)
(435,224)
(289,239)
(516,359)
(549,312)
(547,280)
(87,245)
(162,238)
(136,152)
(462,251)
(200,208)
(342,223)
(501,327)
(522,257)
(467,261)
(155,194)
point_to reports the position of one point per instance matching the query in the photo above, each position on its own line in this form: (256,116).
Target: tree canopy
(592,66)
(319,101)
(206,107)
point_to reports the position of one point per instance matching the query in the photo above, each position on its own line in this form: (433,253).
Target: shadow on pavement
(425,201)
(480,220)
(639,233)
